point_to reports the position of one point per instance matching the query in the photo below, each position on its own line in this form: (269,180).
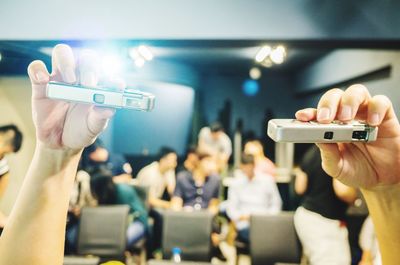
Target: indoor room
(187,132)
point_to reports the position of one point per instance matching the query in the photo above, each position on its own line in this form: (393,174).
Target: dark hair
(192,149)
(216,127)
(103,189)
(16,141)
(247,159)
(164,151)
(203,155)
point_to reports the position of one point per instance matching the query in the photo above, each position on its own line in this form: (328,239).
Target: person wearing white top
(369,244)
(251,193)
(215,142)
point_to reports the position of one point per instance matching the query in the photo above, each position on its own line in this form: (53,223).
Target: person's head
(247,165)
(217,130)
(207,164)
(103,189)
(10,139)
(254,148)
(191,155)
(167,159)
(97,152)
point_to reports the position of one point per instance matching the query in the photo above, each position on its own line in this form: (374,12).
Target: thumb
(332,161)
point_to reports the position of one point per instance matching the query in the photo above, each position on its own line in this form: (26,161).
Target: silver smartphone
(294,131)
(101,96)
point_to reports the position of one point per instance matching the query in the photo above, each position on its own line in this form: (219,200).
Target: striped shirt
(3,167)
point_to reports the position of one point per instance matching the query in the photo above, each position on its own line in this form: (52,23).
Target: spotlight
(263,53)
(278,55)
(255,73)
(111,65)
(145,52)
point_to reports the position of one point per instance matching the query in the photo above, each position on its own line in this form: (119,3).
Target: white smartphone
(294,131)
(101,96)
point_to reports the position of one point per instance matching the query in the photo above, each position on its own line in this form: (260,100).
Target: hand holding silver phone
(294,131)
(101,96)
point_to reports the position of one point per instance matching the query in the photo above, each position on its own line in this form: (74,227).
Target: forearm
(384,208)
(37,222)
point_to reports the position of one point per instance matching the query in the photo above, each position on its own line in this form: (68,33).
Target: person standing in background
(263,165)
(10,142)
(319,221)
(215,142)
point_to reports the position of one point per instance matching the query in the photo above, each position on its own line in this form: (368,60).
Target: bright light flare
(263,53)
(139,62)
(278,55)
(111,65)
(145,52)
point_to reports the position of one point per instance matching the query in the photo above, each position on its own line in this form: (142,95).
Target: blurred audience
(251,192)
(109,193)
(191,159)
(215,142)
(10,142)
(97,160)
(263,165)
(369,244)
(159,176)
(319,221)
(199,190)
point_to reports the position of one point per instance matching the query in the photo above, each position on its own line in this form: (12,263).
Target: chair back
(273,239)
(102,231)
(189,231)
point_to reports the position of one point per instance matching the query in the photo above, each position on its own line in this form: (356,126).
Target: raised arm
(374,167)
(36,224)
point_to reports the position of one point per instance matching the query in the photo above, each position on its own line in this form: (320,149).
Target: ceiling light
(145,52)
(255,73)
(263,53)
(139,62)
(278,55)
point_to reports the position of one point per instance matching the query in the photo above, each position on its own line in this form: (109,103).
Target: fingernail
(68,75)
(374,119)
(345,113)
(323,114)
(41,76)
(88,79)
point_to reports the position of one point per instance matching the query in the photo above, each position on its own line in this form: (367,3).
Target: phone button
(98,98)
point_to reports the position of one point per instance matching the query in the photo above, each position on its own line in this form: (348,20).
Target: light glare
(263,53)
(278,55)
(145,52)
(111,65)
(255,73)
(139,62)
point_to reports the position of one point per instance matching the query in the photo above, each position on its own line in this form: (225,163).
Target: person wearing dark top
(191,160)
(319,221)
(199,190)
(97,160)
(109,193)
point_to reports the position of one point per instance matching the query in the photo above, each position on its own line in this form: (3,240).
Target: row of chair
(102,233)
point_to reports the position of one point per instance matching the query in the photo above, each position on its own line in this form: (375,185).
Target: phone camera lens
(360,135)
(328,135)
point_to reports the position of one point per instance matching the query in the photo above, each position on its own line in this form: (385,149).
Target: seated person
(109,193)
(263,165)
(159,176)
(251,193)
(10,142)
(191,159)
(199,190)
(97,160)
